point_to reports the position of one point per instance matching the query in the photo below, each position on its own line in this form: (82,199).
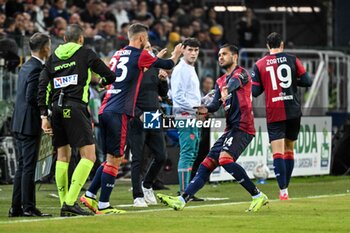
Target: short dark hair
(124,25)
(136,28)
(233,48)
(191,42)
(73,33)
(274,40)
(38,41)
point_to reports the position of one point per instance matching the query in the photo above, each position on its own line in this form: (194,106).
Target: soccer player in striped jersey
(118,107)
(278,74)
(233,91)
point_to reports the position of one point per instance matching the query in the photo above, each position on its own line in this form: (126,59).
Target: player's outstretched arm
(168,64)
(162,53)
(176,54)
(202,112)
(101,69)
(216,102)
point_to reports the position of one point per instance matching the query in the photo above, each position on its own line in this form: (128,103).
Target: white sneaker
(149,196)
(140,202)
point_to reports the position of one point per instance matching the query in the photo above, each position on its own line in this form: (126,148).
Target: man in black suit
(26,127)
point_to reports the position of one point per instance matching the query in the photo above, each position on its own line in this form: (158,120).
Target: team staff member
(233,91)
(26,128)
(117,107)
(153,85)
(185,95)
(66,77)
(279,74)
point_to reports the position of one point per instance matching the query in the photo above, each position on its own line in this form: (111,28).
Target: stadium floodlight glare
(305,9)
(236,8)
(219,8)
(281,9)
(302,9)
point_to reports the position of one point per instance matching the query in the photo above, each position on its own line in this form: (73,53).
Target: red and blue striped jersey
(238,107)
(278,75)
(128,64)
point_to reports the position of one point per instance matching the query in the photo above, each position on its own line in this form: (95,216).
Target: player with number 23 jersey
(128,64)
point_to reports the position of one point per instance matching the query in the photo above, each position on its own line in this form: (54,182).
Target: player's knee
(225,158)
(209,163)
(88,152)
(288,145)
(64,153)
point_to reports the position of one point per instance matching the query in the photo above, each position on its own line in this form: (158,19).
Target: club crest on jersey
(65,81)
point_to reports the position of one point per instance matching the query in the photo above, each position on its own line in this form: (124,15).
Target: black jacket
(26,116)
(150,88)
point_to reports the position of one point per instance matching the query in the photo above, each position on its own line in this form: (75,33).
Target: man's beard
(228,65)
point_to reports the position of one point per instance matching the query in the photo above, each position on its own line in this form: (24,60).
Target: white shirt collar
(42,61)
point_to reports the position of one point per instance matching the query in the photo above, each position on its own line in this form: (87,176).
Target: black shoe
(34,212)
(74,210)
(159,186)
(194,198)
(15,213)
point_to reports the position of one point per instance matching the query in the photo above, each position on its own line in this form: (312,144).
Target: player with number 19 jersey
(279,75)
(128,64)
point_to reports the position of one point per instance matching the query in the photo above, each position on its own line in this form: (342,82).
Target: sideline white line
(166,209)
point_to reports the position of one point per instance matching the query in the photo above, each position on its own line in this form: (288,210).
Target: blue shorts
(284,129)
(233,142)
(113,132)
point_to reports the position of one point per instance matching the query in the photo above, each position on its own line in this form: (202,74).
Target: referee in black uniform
(64,82)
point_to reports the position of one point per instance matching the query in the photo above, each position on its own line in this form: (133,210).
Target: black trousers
(24,187)
(138,137)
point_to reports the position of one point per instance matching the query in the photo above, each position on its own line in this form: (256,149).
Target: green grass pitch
(318,204)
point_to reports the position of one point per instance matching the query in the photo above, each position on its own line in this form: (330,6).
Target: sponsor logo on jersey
(122,52)
(64,66)
(65,81)
(114,91)
(282,98)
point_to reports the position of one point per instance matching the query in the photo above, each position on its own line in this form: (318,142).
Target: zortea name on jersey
(276,60)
